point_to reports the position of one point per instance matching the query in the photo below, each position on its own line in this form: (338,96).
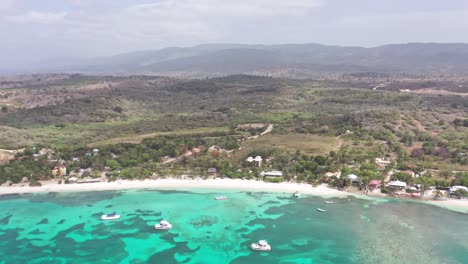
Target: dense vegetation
(139,122)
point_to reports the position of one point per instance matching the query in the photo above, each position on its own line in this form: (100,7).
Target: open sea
(66,228)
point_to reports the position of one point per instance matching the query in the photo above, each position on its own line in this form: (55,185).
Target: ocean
(66,228)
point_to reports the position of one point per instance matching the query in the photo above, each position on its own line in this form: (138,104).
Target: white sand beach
(175,184)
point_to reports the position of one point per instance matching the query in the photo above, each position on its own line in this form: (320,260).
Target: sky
(39,30)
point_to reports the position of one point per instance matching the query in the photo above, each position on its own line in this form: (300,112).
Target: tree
(231,143)
(4,109)
(461,193)
(425,182)
(113,164)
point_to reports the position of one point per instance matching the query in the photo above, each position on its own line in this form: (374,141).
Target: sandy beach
(178,184)
(228,184)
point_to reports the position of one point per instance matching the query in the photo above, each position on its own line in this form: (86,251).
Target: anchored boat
(163,225)
(262,245)
(110,216)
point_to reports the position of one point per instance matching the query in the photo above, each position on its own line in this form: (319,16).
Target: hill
(292,60)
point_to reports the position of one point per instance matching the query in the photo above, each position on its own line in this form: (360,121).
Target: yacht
(262,245)
(321,210)
(163,225)
(110,216)
(297,194)
(221,197)
(328,202)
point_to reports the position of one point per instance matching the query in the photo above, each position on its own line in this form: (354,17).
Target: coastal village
(374,177)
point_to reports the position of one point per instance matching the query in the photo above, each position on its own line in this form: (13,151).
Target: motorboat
(297,194)
(110,216)
(321,210)
(163,225)
(328,202)
(221,197)
(262,245)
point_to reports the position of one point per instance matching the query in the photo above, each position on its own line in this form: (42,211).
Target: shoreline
(219,184)
(232,184)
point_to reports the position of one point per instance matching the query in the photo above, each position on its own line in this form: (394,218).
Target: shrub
(35,183)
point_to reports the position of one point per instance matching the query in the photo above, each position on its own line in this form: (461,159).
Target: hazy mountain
(288,59)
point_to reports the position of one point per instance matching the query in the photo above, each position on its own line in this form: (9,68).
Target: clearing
(136,139)
(306,143)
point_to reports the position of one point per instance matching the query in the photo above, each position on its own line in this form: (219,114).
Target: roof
(353,177)
(258,158)
(211,170)
(397,184)
(458,187)
(250,159)
(375,182)
(272,173)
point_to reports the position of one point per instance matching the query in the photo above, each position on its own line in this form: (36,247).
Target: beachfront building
(453,190)
(353,178)
(336,174)
(397,185)
(272,174)
(212,171)
(374,184)
(59,171)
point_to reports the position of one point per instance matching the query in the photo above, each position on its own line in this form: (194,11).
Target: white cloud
(36,17)
(231,8)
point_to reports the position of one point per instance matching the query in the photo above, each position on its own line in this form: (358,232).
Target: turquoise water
(66,228)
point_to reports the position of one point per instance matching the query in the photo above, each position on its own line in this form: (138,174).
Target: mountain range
(277,60)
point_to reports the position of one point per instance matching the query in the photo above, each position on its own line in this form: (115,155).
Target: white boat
(163,225)
(262,245)
(221,197)
(328,202)
(110,216)
(297,194)
(321,210)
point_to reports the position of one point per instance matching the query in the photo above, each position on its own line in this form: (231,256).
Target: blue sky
(34,30)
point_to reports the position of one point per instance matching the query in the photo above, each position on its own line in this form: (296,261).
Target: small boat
(221,197)
(163,225)
(262,245)
(329,202)
(110,216)
(297,194)
(321,210)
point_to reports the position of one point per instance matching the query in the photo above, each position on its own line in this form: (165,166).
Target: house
(336,174)
(381,162)
(59,171)
(214,151)
(95,151)
(212,171)
(458,187)
(272,174)
(353,178)
(397,185)
(375,184)
(257,161)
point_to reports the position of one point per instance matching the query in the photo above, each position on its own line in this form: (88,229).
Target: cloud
(36,17)
(231,8)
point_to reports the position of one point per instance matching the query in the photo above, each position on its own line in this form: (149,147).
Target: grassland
(135,139)
(305,143)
